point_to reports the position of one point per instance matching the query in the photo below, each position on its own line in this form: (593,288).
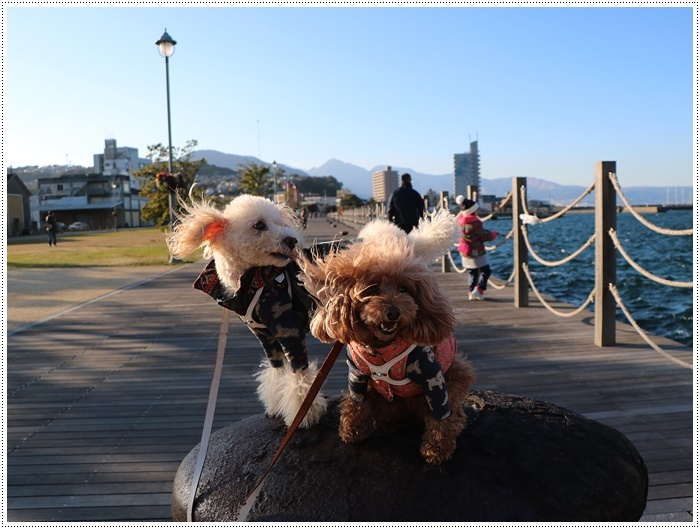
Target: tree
(257,180)
(184,173)
(351,201)
(319,185)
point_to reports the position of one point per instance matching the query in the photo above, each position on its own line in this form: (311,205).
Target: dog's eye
(260,226)
(372,290)
(403,289)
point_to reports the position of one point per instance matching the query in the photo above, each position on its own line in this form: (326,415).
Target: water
(658,309)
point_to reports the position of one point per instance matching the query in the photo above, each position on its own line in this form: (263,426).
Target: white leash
(211,408)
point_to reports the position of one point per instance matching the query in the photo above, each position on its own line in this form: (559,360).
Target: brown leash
(313,391)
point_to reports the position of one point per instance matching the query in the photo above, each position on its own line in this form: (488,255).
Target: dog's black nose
(393,313)
(290,241)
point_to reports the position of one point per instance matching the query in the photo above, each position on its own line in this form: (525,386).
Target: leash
(305,405)
(211,408)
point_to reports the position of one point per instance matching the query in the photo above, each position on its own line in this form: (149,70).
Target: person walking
(405,206)
(472,248)
(51,227)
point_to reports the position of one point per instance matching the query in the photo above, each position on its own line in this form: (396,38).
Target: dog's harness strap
(305,405)
(382,372)
(211,408)
(248,318)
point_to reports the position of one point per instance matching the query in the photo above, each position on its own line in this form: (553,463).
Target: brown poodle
(380,298)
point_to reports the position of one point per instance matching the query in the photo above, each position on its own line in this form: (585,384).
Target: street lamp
(166,47)
(274,180)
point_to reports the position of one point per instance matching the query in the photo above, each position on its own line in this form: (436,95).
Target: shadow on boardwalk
(103,402)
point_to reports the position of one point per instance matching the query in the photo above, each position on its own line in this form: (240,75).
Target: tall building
(384,183)
(467,169)
(120,161)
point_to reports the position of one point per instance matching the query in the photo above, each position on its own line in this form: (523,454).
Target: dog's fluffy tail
(282,392)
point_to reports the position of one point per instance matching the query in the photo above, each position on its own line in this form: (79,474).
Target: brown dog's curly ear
(319,327)
(436,320)
(329,321)
(200,225)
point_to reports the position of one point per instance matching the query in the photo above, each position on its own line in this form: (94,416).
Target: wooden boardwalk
(103,403)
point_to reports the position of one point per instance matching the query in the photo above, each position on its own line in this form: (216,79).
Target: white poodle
(253,242)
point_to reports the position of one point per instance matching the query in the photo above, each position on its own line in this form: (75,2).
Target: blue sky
(548,91)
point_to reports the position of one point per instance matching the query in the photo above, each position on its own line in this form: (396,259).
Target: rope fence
(605,294)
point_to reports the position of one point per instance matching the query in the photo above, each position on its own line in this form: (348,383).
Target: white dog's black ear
(200,225)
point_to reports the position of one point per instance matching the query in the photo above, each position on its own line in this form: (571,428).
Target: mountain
(538,189)
(359,180)
(353,177)
(234,161)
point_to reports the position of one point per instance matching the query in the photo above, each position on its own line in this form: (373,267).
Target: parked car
(78,226)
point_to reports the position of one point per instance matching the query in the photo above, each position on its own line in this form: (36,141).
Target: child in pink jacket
(472,248)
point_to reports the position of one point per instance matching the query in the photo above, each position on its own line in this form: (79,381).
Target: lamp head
(166,44)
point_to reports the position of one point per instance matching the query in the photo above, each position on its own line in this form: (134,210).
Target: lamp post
(274,180)
(114,201)
(166,47)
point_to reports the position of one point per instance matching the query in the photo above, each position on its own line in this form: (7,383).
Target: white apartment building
(384,183)
(120,161)
(467,169)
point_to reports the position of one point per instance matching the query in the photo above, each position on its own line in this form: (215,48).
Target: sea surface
(658,309)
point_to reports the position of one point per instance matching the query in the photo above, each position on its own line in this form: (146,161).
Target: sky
(547,91)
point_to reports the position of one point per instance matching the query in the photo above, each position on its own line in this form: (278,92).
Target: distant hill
(235,161)
(359,180)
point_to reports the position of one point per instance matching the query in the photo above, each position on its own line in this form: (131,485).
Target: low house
(19,216)
(101,201)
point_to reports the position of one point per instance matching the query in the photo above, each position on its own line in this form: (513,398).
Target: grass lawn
(128,247)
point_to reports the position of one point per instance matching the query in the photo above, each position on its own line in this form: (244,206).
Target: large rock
(518,460)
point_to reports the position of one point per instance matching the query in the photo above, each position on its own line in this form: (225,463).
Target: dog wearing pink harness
(380,297)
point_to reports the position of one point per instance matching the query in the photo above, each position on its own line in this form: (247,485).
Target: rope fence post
(473,193)
(520,255)
(445,203)
(605,256)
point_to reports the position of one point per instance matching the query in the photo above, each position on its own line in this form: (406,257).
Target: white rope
(494,285)
(548,306)
(504,285)
(505,239)
(560,212)
(667,282)
(454,265)
(653,227)
(491,283)
(642,333)
(554,263)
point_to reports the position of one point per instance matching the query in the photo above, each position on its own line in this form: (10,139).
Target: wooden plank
(104,402)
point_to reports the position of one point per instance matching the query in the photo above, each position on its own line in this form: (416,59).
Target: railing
(604,293)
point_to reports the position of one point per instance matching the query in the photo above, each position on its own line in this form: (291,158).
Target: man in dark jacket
(405,205)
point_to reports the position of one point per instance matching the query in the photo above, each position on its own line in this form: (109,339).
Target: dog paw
(437,447)
(356,421)
(350,434)
(314,414)
(436,455)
